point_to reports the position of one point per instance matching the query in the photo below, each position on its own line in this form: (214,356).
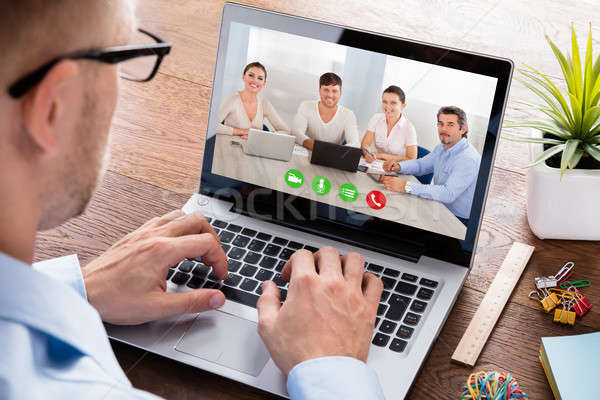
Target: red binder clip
(581,305)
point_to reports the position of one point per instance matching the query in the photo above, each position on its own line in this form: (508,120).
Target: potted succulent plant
(563,178)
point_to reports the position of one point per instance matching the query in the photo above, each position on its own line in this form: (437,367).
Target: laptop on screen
(265,209)
(335,155)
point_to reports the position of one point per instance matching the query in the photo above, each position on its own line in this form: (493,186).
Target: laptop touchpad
(226,340)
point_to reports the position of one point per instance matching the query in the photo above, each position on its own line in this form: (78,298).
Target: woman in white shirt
(244,110)
(394,135)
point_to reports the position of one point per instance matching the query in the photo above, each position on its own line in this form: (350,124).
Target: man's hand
(127,283)
(330,309)
(309,144)
(394,184)
(391,166)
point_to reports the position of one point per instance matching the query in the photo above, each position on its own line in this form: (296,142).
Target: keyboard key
(233,265)
(391,272)
(240,296)
(425,294)
(180,278)
(283,294)
(219,224)
(280,266)
(225,247)
(398,305)
(169,274)
(248,232)
(195,282)
(236,253)
(263,236)
(377,319)
(252,257)
(295,245)
(387,326)
(279,281)
(286,254)
(384,296)
(406,288)
(211,285)
(409,277)
(217,231)
(388,283)
(268,262)
(263,275)
(374,268)
(234,228)
(405,332)
(272,250)
(381,309)
(411,319)
(280,241)
(418,306)
(248,270)
(186,266)
(249,284)
(201,271)
(381,340)
(311,248)
(428,282)
(232,280)
(241,241)
(257,245)
(398,345)
(258,290)
(226,236)
(208,219)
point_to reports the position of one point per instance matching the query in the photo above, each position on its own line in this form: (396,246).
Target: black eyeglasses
(141,63)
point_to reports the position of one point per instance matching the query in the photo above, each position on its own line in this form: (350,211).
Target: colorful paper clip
(577,284)
(565,272)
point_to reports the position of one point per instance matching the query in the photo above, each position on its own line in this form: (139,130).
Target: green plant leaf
(596,138)
(570,148)
(542,127)
(591,117)
(556,117)
(576,63)
(525,139)
(553,105)
(577,117)
(588,81)
(564,65)
(575,158)
(547,154)
(592,151)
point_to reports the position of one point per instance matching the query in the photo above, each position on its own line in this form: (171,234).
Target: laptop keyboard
(254,257)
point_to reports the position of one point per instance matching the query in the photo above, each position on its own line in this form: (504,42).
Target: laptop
(262,225)
(277,146)
(335,155)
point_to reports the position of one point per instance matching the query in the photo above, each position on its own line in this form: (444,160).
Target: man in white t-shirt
(325,119)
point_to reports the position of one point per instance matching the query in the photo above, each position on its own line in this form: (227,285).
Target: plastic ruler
(493,303)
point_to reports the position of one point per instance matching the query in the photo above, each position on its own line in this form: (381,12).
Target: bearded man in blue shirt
(56,104)
(454,164)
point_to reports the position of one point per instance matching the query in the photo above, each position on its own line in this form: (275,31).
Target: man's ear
(43,105)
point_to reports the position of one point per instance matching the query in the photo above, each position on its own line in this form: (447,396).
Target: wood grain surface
(157,146)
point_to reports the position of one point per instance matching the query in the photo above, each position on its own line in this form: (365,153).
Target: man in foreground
(53,147)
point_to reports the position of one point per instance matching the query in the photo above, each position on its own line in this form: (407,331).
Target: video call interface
(379,135)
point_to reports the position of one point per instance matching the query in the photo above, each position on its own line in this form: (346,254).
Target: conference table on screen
(231,161)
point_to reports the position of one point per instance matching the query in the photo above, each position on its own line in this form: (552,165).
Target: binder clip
(545,282)
(549,301)
(564,315)
(581,305)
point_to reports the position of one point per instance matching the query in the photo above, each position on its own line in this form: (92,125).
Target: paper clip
(565,272)
(577,284)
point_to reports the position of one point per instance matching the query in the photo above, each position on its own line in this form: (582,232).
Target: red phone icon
(376,200)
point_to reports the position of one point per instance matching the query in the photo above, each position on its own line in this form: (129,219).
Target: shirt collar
(42,303)
(458,147)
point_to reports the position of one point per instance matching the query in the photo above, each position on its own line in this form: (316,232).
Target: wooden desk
(157,140)
(230,161)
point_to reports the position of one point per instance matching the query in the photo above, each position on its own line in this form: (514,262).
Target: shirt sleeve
(224,111)
(271,114)
(373,123)
(419,166)
(411,135)
(351,130)
(333,378)
(65,269)
(461,177)
(300,125)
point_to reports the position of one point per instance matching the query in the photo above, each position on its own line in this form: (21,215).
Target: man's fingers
(300,263)
(328,262)
(353,266)
(159,221)
(189,302)
(188,225)
(372,288)
(173,250)
(268,305)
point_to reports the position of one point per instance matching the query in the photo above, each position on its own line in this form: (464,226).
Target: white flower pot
(562,209)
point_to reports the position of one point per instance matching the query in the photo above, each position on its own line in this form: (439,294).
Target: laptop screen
(424,118)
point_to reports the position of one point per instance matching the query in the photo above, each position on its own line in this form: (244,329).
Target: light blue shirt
(54,345)
(454,175)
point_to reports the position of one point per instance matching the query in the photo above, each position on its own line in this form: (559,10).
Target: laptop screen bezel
(429,243)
